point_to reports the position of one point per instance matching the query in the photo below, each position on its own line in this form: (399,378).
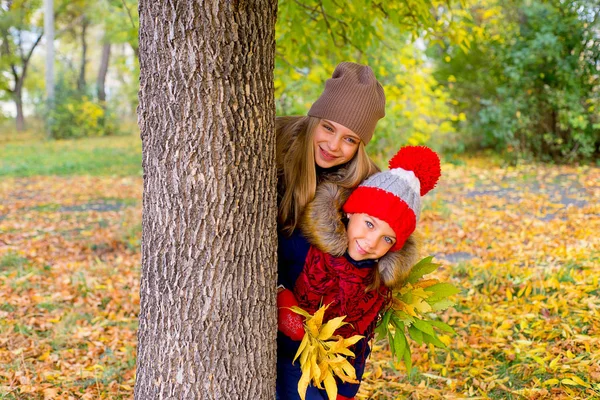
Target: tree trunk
(102,72)
(206,114)
(19,103)
(49,32)
(81,80)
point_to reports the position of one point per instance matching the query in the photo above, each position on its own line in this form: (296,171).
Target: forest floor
(520,242)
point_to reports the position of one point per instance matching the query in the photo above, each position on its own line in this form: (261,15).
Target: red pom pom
(421,160)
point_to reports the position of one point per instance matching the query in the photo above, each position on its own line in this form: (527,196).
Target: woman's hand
(290,323)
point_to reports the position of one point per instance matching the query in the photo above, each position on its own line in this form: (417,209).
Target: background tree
(207,312)
(49,29)
(20,33)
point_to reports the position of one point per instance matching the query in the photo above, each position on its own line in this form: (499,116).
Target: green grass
(11,261)
(101,156)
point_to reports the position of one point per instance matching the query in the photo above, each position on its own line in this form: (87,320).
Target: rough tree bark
(206,113)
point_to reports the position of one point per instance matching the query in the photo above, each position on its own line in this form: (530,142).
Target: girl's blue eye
(351,140)
(330,129)
(369,225)
(389,240)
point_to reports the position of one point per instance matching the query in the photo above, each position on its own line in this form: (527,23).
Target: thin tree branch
(129,13)
(331,33)
(26,60)
(314,10)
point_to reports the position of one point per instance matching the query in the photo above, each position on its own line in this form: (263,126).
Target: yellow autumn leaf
(300,311)
(303,383)
(555,361)
(330,385)
(422,306)
(301,348)
(330,327)
(425,283)
(420,293)
(568,381)
(315,371)
(352,340)
(313,324)
(578,380)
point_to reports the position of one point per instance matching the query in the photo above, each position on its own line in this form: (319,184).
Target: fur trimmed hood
(323,227)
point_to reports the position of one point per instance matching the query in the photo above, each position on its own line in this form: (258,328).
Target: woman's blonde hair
(297,173)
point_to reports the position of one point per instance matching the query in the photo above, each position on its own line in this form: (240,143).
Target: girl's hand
(290,323)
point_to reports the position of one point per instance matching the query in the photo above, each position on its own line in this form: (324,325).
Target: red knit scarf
(331,280)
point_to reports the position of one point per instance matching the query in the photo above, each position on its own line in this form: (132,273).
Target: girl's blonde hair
(375,280)
(297,173)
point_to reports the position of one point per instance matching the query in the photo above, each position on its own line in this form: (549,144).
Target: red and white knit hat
(394,196)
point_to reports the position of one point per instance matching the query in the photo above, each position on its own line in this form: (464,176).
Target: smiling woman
(328,143)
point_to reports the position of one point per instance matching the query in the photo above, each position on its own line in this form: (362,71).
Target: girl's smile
(369,238)
(334,144)
(326,155)
(360,250)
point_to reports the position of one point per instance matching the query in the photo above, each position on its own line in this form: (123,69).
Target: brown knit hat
(353,98)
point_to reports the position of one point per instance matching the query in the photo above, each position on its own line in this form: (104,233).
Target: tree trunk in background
(102,73)
(49,32)
(81,79)
(18,94)
(207,324)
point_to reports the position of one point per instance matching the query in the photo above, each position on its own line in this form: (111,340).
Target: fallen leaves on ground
(69,287)
(520,242)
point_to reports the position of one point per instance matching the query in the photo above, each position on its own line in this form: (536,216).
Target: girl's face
(369,238)
(334,144)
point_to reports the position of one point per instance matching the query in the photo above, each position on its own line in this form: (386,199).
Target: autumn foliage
(520,243)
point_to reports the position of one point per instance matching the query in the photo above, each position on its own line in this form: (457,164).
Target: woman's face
(334,144)
(368,237)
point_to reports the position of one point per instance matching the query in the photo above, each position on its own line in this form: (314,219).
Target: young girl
(352,267)
(329,143)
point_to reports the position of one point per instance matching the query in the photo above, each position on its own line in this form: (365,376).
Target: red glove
(290,323)
(340,397)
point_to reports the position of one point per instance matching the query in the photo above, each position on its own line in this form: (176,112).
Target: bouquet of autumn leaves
(323,355)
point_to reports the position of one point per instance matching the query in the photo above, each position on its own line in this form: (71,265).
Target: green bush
(529,81)
(75,115)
